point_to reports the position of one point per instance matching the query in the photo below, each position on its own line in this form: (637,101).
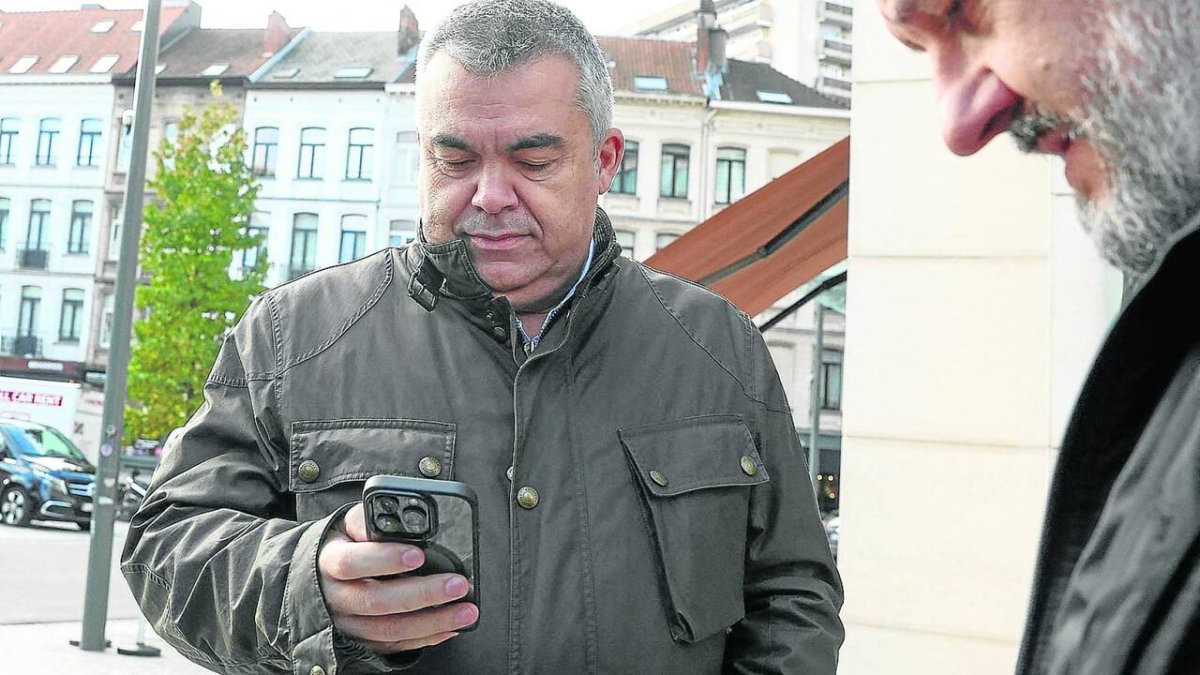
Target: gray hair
(490,37)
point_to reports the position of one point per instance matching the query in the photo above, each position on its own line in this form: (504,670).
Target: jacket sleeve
(214,556)
(792,589)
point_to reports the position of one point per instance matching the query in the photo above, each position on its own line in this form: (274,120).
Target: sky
(603,17)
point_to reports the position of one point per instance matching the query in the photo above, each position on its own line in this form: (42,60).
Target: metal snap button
(309,471)
(430,467)
(317,670)
(528,498)
(658,478)
(749,466)
(501,334)
(509,474)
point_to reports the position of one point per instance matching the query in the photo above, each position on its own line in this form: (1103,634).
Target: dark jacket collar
(446,269)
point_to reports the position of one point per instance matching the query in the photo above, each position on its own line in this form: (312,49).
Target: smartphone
(439,516)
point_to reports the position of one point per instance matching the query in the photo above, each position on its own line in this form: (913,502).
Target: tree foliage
(194,228)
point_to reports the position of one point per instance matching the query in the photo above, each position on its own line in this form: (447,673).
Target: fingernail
(412,558)
(456,586)
(464,615)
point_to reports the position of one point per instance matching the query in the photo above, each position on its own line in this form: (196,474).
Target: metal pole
(814,432)
(95,605)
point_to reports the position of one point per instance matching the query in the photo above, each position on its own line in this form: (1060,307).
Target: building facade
(808,40)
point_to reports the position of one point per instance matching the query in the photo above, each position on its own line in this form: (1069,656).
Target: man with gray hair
(1113,87)
(643,500)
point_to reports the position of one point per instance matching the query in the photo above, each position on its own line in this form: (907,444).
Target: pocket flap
(695,453)
(328,452)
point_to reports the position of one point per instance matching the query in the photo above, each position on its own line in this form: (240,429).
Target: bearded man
(1113,87)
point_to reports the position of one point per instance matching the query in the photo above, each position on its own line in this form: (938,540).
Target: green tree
(195,226)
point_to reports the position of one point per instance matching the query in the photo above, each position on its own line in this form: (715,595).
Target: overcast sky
(605,17)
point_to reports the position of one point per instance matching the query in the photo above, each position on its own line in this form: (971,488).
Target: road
(43,573)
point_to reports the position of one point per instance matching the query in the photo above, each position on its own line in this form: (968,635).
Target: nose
(976,107)
(494,192)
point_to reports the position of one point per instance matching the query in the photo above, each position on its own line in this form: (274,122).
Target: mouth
(497,242)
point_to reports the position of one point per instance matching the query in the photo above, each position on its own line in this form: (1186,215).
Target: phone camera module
(415,519)
(388,523)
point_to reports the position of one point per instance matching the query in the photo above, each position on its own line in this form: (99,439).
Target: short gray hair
(490,37)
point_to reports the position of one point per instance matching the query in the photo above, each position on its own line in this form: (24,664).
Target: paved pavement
(44,649)
(43,573)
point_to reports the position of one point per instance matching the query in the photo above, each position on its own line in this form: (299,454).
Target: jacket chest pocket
(695,476)
(331,459)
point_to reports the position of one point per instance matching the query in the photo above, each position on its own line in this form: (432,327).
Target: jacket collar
(446,269)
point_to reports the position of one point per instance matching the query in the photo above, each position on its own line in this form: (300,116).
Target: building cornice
(105,78)
(776,109)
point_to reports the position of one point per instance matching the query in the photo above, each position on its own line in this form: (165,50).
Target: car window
(48,443)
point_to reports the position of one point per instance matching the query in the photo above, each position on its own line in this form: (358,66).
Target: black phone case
(453,545)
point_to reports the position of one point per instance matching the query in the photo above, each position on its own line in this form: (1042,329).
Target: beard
(1143,116)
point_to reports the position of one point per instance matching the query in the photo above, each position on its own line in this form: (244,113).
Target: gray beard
(1144,118)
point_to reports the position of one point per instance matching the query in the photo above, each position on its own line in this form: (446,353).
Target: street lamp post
(95,605)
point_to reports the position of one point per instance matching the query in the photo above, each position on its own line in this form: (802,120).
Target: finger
(407,645)
(345,560)
(412,626)
(376,597)
(354,524)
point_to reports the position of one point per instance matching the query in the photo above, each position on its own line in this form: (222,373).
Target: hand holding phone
(437,516)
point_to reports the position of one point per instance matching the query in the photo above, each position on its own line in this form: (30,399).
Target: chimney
(409,33)
(718,38)
(278,33)
(706,19)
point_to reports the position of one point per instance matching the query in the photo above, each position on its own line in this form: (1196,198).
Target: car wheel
(15,507)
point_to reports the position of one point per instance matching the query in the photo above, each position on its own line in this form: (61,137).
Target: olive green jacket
(718,564)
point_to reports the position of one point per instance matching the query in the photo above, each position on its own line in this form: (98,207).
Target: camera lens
(387,504)
(416,520)
(386,523)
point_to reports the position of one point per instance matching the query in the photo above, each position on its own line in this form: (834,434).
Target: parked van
(43,476)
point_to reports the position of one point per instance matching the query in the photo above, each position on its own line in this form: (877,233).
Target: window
(70,323)
(831,379)
(664,239)
(4,211)
(81,227)
(352,72)
(258,228)
(8,139)
(118,220)
(125,149)
(31,302)
(64,63)
(312,152)
(171,132)
(731,175)
(626,181)
(103,26)
(626,239)
(104,64)
(649,83)
(354,238)
(47,138)
(408,158)
(304,245)
(89,143)
(39,218)
(675,171)
(358,154)
(23,64)
(266,148)
(402,232)
(215,69)
(774,97)
(106,323)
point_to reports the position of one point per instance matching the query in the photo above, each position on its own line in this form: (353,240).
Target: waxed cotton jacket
(1118,579)
(717,564)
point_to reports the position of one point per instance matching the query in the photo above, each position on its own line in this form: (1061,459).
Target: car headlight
(56,484)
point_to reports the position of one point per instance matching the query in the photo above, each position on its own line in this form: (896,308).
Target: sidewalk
(43,649)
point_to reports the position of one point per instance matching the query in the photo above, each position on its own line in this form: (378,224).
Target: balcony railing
(837,51)
(32,257)
(834,82)
(21,345)
(836,13)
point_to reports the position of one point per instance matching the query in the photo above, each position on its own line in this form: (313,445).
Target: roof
(318,58)
(52,35)
(773,240)
(242,50)
(745,79)
(636,57)
(675,61)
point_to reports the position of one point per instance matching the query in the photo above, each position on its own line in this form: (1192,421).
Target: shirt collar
(534,340)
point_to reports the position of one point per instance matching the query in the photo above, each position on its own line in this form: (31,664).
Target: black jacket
(1118,577)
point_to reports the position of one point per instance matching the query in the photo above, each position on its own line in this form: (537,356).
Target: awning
(772,241)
